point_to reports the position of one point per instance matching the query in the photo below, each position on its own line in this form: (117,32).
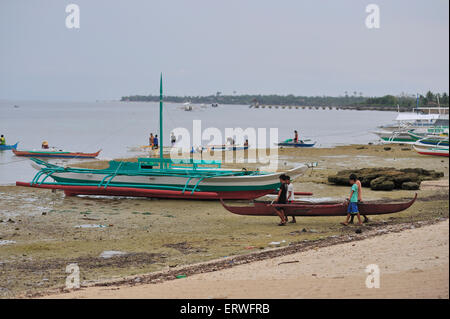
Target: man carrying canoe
(290,196)
(282,197)
(358,182)
(2,140)
(353,201)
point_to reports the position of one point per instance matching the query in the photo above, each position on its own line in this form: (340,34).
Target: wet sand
(40,230)
(413,264)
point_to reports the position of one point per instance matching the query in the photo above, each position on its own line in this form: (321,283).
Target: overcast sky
(310,47)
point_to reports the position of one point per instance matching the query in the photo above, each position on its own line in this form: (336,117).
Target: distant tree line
(404,101)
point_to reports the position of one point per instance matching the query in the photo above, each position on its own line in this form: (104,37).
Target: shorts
(278,207)
(352,208)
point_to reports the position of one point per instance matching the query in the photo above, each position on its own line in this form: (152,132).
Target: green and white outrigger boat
(159,177)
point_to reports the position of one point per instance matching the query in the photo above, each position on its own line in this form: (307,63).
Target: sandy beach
(413,264)
(41,231)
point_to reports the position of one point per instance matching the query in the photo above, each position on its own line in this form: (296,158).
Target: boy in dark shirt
(282,196)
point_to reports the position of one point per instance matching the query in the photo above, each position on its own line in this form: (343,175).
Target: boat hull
(150,193)
(395,137)
(155,183)
(50,154)
(296,144)
(265,208)
(8,147)
(432,151)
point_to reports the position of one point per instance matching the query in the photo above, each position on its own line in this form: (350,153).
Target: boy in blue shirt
(155,142)
(353,201)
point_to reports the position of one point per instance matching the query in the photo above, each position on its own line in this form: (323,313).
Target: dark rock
(387,148)
(358,231)
(382,184)
(386,178)
(410,186)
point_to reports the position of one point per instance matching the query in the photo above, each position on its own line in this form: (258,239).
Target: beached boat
(8,147)
(427,139)
(435,151)
(308,208)
(55,154)
(160,177)
(166,178)
(432,123)
(395,136)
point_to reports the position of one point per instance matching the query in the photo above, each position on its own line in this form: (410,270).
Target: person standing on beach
(2,140)
(353,201)
(155,142)
(173,139)
(290,196)
(281,199)
(151,140)
(295,137)
(358,182)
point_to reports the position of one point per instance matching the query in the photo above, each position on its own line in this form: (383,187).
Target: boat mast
(161,121)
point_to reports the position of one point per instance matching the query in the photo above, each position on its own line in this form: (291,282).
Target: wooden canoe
(55,154)
(303,208)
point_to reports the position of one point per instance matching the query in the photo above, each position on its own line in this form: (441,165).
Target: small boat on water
(8,147)
(309,208)
(51,153)
(301,143)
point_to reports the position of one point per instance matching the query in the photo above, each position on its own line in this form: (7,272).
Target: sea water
(115,127)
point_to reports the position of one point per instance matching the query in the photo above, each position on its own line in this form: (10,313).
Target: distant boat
(8,147)
(55,154)
(301,143)
(187,106)
(214,105)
